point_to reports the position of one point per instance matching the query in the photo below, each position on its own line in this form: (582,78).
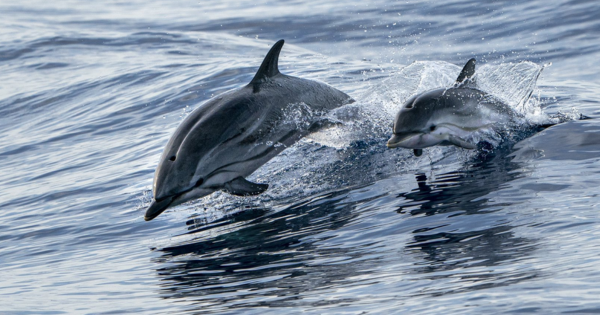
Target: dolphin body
(230,136)
(448,116)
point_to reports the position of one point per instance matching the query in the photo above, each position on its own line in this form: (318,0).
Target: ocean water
(90,93)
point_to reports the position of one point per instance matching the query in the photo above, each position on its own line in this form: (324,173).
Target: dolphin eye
(199,182)
(172,158)
(409,105)
(432,128)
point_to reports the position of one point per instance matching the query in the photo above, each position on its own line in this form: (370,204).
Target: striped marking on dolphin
(230,136)
(448,116)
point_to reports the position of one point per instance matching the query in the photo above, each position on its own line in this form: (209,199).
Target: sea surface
(91,91)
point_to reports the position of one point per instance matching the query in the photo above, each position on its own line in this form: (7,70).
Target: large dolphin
(448,116)
(230,136)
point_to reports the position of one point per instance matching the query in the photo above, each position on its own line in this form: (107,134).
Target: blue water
(90,93)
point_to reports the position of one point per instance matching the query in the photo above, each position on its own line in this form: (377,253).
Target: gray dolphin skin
(447,116)
(230,136)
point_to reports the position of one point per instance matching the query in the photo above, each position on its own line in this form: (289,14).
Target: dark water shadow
(263,257)
(470,234)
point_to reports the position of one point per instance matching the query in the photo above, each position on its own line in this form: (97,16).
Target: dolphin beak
(157,207)
(393,142)
(397,139)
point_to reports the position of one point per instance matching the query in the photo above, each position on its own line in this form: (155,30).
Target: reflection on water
(263,257)
(260,254)
(461,190)
(477,237)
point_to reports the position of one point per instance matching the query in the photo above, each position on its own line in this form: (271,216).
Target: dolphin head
(204,152)
(174,174)
(439,117)
(176,181)
(185,165)
(414,127)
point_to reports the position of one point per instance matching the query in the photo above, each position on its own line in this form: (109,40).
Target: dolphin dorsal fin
(269,66)
(467,72)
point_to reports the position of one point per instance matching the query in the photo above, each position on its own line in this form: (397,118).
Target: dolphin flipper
(457,141)
(467,72)
(241,187)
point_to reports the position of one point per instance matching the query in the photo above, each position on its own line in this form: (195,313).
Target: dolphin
(448,116)
(230,136)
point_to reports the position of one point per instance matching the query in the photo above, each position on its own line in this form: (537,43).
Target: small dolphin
(448,116)
(230,136)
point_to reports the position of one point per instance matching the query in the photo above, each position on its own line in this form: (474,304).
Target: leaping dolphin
(230,136)
(448,116)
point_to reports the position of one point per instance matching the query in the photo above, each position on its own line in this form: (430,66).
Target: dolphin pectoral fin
(241,187)
(418,152)
(467,72)
(457,141)
(157,207)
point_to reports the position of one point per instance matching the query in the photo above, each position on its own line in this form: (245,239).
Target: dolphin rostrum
(448,116)
(230,136)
